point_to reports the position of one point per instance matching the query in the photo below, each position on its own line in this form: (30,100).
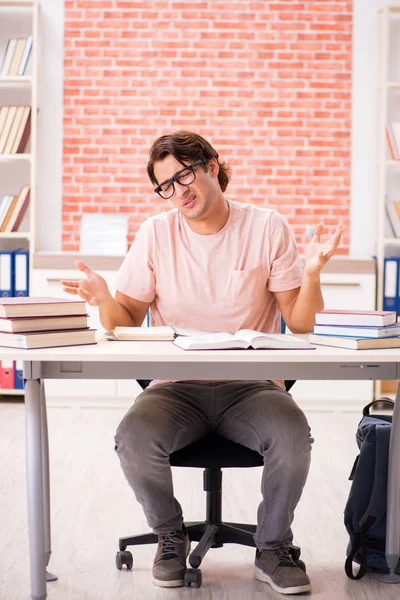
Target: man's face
(195,200)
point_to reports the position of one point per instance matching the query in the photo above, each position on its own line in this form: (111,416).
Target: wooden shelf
(20,79)
(4,392)
(8,157)
(17,3)
(23,235)
(393,241)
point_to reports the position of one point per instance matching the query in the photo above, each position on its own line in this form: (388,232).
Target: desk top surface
(167,352)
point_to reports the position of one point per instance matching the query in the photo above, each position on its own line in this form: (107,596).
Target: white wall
(363,126)
(51,124)
(363,98)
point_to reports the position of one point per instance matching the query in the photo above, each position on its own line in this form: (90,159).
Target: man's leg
(265,418)
(163,419)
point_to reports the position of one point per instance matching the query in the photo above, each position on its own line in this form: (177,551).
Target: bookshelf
(387,170)
(20,19)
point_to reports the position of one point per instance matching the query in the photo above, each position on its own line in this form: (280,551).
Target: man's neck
(211,224)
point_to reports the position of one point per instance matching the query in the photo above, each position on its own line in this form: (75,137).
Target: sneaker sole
(169,584)
(297,589)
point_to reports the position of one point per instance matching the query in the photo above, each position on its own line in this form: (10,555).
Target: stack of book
(356,329)
(28,323)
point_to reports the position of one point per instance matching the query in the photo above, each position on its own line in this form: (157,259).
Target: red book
(365,318)
(7,374)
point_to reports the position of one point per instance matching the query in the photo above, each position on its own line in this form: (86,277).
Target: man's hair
(186,147)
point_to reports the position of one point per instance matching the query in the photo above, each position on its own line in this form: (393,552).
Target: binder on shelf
(7,374)
(391,283)
(21,273)
(18,375)
(6,274)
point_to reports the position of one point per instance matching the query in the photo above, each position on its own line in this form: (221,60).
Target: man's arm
(121,310)
(299,306)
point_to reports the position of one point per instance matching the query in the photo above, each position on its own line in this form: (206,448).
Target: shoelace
(170,543)
(284,556)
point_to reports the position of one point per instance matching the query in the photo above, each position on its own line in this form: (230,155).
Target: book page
(250,335)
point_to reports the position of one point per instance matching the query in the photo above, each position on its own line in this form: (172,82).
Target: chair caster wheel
(193,578)
(124,557)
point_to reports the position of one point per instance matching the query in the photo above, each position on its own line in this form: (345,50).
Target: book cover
(8,56)
(25,306)
(25,135)
(7,127)
(356,317)
(358,331)
(354,343)
(25,56)
(20,209)
(48,339)
(19,48)
(36,324)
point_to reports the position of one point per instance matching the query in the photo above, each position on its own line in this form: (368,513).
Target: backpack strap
(378,400)
(377,503)
(359,544)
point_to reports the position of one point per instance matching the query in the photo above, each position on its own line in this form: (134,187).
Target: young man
(213,264)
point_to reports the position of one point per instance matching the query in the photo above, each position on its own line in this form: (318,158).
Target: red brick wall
(267,82)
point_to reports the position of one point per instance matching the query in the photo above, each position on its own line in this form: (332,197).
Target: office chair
(211,453)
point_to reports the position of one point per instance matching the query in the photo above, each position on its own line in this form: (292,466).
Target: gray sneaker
(278,568)
(170,561)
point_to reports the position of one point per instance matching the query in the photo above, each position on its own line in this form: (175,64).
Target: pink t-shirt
(216,283)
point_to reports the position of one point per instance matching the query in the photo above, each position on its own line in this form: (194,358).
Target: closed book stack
(356,330)
(29,323)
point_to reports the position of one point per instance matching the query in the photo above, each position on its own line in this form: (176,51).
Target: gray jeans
(256,414)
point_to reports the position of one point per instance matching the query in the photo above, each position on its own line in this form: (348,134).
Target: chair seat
(215,452)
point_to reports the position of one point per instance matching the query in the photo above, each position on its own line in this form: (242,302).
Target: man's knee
(142,426)
(286,427)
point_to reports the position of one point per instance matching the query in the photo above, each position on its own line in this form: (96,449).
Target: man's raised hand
(93,289)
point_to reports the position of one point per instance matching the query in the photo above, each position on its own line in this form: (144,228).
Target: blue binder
(18,375)
(391,283)
(21,273)
(6,273)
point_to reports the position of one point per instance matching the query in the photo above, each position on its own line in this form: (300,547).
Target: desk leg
(46,480)
(34,476)
(393,497)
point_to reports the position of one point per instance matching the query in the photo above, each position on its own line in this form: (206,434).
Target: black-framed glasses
(185,176)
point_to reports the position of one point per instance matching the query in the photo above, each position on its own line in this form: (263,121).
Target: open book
(242,339)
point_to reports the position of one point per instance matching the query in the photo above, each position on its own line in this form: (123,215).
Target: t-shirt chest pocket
(247,285)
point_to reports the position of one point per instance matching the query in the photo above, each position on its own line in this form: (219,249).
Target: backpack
(365,511)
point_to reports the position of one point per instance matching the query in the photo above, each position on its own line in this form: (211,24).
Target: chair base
(209,535)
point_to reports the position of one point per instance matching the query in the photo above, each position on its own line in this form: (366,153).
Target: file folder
(6,274)
(21,273)
(390,283)
(7,374)
(18,375)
